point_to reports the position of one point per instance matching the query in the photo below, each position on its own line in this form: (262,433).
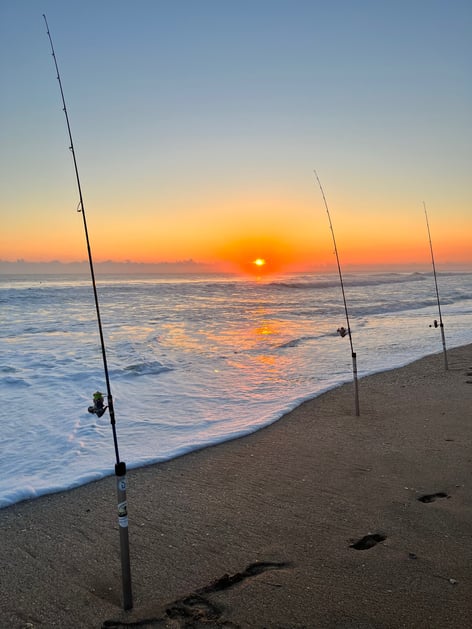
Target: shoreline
(261,531)
(96,476)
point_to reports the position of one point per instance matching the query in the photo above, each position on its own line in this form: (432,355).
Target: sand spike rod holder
(353,353)
(120,466)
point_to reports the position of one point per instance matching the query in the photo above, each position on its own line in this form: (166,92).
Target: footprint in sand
(432,497)
(196,609)
(368,541)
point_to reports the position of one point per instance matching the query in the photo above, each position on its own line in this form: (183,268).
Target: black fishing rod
(441,325)
(343,331)
(98,408)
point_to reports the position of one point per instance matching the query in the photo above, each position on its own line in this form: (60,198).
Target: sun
(259,262)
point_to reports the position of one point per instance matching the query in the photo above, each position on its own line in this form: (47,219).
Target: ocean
(193,360)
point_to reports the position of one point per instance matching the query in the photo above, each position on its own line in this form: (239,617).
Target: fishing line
(441,325)
(341,330)
(120,466)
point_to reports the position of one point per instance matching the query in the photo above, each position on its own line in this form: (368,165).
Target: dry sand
(258,532)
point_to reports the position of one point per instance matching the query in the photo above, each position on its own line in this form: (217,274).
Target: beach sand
(259,532)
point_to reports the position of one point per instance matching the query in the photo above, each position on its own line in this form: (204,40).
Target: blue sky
(188,113)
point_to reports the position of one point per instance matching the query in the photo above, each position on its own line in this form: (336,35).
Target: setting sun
(259,262)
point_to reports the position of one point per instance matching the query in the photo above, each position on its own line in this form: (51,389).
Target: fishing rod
(343,331)
(98,408)
(441,325)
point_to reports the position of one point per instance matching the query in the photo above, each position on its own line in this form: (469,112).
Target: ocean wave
(150,368)
(396,307)
(298,341)
(389,278)
(15,382)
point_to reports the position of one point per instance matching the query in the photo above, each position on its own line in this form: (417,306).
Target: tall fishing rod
(98,408)
(342,331)
(441,325)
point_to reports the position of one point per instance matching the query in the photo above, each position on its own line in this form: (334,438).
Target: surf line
(120,466)
(441,325)
(343,331)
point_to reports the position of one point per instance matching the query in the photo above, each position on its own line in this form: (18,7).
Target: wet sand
(322,520)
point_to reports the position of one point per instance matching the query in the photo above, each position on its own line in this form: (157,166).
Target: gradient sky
(197,126)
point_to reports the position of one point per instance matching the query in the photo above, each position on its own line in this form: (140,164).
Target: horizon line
(189,265)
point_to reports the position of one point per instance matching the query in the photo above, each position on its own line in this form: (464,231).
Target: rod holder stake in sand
(120,473)
(356,384)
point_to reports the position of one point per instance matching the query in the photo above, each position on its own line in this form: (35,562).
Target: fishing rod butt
(120,469)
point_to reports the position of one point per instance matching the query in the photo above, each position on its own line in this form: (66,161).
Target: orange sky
(289,235)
